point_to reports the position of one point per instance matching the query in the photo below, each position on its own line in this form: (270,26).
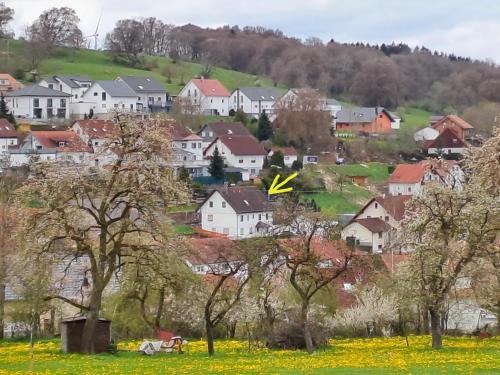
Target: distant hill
(99,65)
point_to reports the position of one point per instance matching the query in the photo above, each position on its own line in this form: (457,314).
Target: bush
(19,74)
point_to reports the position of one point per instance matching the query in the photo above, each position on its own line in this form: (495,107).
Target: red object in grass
(163,334)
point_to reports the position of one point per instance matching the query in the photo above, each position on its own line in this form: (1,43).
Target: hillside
(98,65)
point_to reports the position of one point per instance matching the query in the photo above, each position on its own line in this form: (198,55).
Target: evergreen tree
(296,165)
(277,159)
(216,167)
(184,174)
(265,129)
(266,163)
(4,112)
(240,116)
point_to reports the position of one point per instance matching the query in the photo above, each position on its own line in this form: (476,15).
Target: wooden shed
(72,330)
(359,180)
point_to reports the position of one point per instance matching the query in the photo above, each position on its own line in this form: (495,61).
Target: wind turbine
(96,34)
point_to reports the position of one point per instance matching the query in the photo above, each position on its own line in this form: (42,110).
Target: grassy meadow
(343,356)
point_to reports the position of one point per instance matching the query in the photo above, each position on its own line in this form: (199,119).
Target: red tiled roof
(394,205)
(241,145)
(179,132)
(97,128)
(460,122)
(447,139)
(286,151)
(407,174)
(51,139)
(211,87)
(211,250)
(12,84)
(7,130)
(374,224)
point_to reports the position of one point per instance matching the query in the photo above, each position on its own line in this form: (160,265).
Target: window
(387,218)
(211,100)
(159,98)
(242,231)
(409,189)
(51,85)
(223,204)
(103,96)
(379,247)
(131,107)
(193,145)
(251,230)
(210,134)
(96,143)
(116,105)
(379,235)
(260,216)
(376,205)
(199,145)
(252,171)
(252,161)
(200,269)
(62,103)
(95,94)
(240,161)
(49,103)
(62,143)
(76,96)
(225,231)
(210,204)
(267,216)
(36,102)
(241,218)
(184,145)
(60,87)
(210,217)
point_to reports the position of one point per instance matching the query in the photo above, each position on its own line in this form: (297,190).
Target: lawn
(349,201)
(98,65)
(346,356)
(413,118)
(376,172)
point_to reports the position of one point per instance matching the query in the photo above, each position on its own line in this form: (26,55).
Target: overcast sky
(464,27)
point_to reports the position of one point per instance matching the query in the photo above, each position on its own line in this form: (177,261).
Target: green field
(98,65)
(413,118)
(349,201)
(352,356)
(376,172)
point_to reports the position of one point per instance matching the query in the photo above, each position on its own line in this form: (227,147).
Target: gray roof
(143,84)
(331,101)
(260,93)
(35,90)
(117,88)
(244,199)
(360,114)
(71,80)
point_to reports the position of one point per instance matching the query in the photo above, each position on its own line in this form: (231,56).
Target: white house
(406,179)
(237,212)
(328,104)
(105,96)
(38,102)
(447,142)
(61,145)
(8,136)
(289,154)
(94,133)
(212,130)
(187,150)
(374,225)
(75,85)
(209,94)
(150,93)
(395,121)
(240,152)
(212,255)
(254,100)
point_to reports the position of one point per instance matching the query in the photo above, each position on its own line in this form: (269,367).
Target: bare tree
(105,215)
(127,39)
(55,27)
(6,15)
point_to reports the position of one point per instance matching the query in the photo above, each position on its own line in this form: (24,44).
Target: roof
(393,261)
(77,319)
(96,128)
(51,139)
(394,204)
(12,81)
(244,199)
(360,114)
(260,93)
(7,130)
(241,145)
(221,128)
(460,122)
(179,132)
(143,84)
(117,88)
(447,139)
(331,101)
(426,134)
(286,151)
(210,87)
(373,224)
(36,90)
(71,80)
(407,174)
(211,250)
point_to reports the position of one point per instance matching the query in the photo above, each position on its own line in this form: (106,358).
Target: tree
(55,27)
(240,116)
(6,15)
(126,40)
(105,216)
(4,112)
(265,129)
(216,167)
(296,165)
(310,270)
(277,159)
(183,174)
(447,230)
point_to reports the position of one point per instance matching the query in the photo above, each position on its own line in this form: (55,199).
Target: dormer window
(62,143)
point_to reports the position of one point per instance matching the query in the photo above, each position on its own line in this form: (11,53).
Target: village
(138,218)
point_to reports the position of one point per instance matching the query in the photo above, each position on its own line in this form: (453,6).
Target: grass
(347,201)
(376,172)
(413,118)
(182,208)
(99,66)
(346,356)
(183,230)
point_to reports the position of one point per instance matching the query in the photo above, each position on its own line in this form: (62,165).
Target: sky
(463,27)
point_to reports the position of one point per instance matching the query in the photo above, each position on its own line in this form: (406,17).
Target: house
(187,148)
(447,142)
(425,134)
(396,121)
(95,133)
(358,179)
(460,127)
(209,94)
(75,85)
(364,121)
(289,154)
(374,225)
(212,130)
(150,93)
(254,100)
(9,83)
(105,96)
(409,179)
(328,104)
(211,255)
(61,145)
(236,212)
(241,151)
(8,136)
(38,102)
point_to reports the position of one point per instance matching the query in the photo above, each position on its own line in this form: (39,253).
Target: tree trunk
(159,310)
(210,336)
(232,330)
(89,330)
(270,333)
(307,330)
(425,321)
(436,329)
(2,309)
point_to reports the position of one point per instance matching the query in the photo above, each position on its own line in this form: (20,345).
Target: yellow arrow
(275,187)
